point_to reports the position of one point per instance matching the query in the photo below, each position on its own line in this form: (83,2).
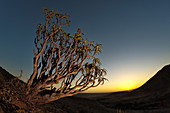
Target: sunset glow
(122,85)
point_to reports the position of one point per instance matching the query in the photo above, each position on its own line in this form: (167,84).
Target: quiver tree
(64,65)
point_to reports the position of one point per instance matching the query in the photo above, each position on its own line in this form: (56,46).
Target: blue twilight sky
(135,35)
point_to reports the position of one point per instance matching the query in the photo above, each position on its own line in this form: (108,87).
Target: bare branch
(64,65)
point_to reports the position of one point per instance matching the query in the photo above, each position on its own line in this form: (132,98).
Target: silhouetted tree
(64,65)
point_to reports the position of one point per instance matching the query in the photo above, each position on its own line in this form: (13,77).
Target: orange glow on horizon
(126,84)
(121,87)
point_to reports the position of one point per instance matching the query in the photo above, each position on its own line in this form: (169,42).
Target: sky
(135,35)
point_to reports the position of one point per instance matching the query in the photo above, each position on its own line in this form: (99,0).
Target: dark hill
(5,76)
(11,88)
(153,95)
(159,83)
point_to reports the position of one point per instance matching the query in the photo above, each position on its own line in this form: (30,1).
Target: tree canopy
(64,65)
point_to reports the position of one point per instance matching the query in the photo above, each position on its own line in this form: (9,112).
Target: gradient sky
(135,35)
